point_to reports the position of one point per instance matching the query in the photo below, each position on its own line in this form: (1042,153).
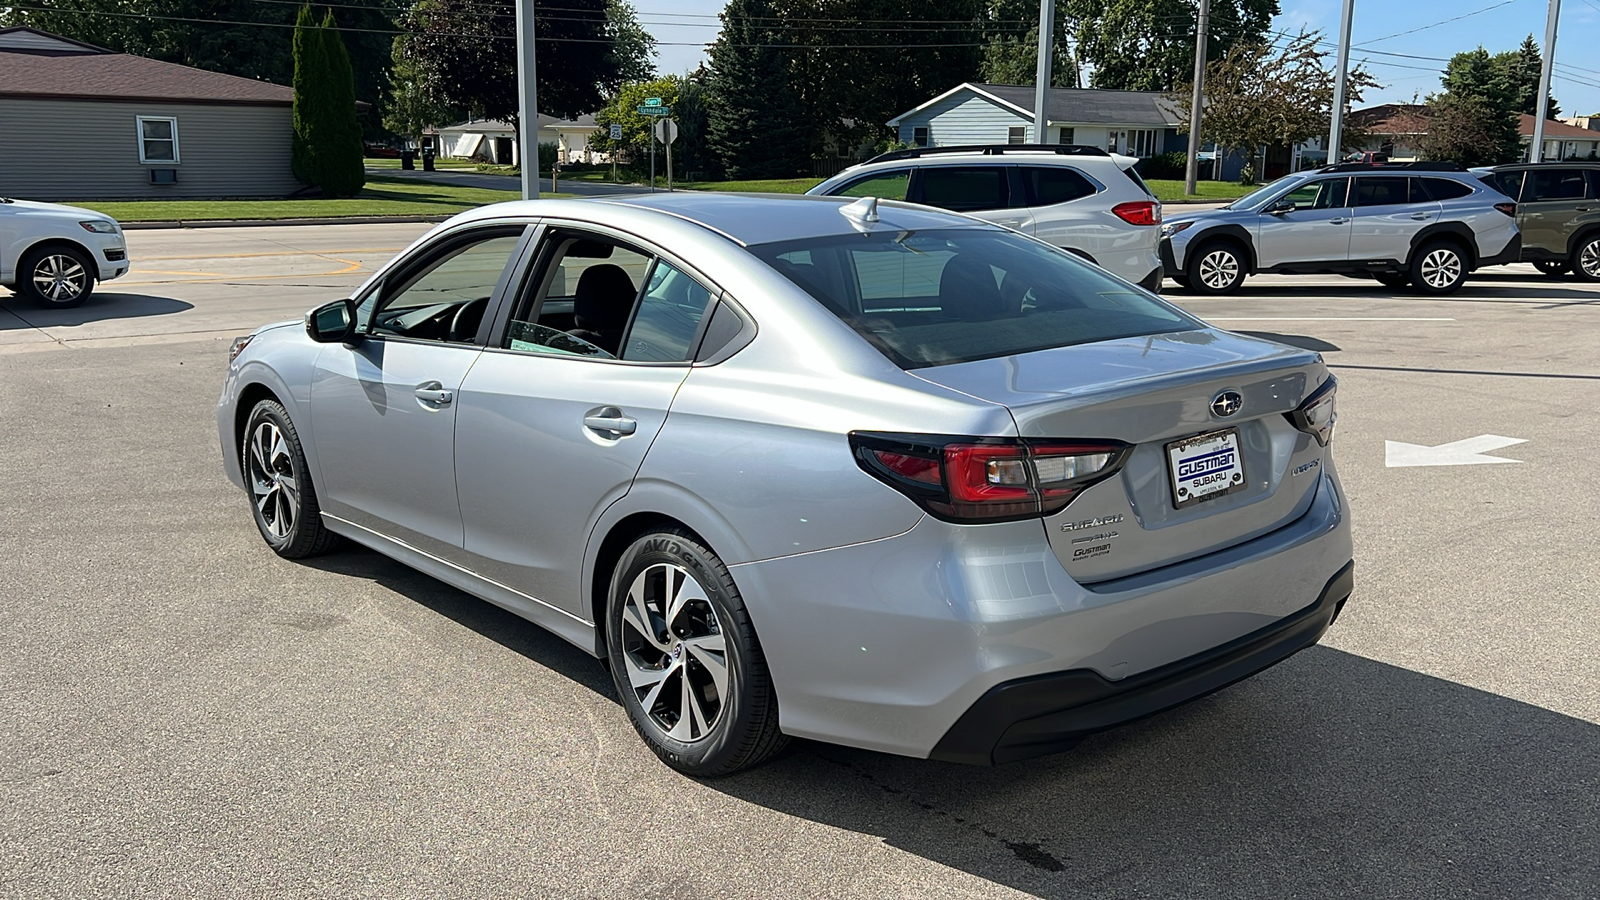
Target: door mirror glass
(1282,205)
(332,323)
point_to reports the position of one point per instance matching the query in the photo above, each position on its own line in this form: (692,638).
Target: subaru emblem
(1226,404)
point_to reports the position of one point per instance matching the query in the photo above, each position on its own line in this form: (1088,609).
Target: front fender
(279,361)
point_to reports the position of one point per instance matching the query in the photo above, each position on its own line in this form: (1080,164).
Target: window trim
(138,127)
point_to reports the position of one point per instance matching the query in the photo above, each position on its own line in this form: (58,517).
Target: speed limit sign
(616,132)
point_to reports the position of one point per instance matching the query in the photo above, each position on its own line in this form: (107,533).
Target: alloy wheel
(273,483)
(1589,259)
(673,649)
(1219,269)
(59,278)
(1441,268)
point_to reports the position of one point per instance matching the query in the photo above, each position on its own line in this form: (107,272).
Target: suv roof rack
(1385,166)
(991,150)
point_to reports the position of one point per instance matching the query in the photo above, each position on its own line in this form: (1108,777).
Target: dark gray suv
(1558,210)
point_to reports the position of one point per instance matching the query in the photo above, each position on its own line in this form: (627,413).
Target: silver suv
(1420,224)
(1078,198)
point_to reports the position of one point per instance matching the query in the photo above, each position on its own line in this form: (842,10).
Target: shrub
(547,156)
(1171,165)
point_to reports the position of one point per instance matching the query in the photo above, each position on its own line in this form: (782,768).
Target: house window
(158,139)
(919,136)
(1066,136)
(1017,134)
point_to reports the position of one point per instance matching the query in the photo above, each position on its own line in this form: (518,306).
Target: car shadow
(101,306)
(1331,775)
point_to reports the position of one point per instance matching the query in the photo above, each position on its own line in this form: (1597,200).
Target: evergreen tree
(309,68)
(339,157)
(1521,69)
(755,119)
(1474,122)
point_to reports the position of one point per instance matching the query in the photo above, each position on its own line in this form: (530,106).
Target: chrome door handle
(434,393)
(1337,221)
(615,424)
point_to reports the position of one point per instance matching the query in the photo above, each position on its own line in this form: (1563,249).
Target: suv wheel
(1586,259)
(57,277)
(1215,269)
(1553,268)
(1438,268)
(685,658)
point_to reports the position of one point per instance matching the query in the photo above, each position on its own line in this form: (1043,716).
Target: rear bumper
(1034,716)
(1511,253)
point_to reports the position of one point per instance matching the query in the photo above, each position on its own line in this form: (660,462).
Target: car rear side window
(928,298)
(964,189)
(1444,188)
(1381,191)
(1554,185)
(1048,185)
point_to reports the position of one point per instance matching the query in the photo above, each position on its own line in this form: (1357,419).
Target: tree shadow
(101,306)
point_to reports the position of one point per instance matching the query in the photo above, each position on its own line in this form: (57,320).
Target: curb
(256,223)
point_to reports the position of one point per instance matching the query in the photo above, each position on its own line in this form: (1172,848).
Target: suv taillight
(1317,415)
(1139,212)
(1509,209)
(973,479)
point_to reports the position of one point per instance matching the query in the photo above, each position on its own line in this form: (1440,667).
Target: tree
(1256,95)
(1011,46)
(1474,121)
(1520,70)
(623,109)
(343,171)
(463,53)
(408,109)
(310,75)
(755,118)
(1148,45)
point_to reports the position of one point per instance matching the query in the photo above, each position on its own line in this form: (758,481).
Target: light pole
(1336,129)
(527,101)
(1536,152)
(1192,171)
(1041,83)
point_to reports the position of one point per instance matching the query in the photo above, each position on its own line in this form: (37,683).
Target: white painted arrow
(1468,452)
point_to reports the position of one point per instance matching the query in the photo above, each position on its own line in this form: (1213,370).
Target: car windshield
(928,298)
(1256,196)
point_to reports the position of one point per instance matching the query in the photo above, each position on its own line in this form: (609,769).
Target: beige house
(79,122)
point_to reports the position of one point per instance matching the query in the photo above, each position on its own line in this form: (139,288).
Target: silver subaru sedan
(861,472)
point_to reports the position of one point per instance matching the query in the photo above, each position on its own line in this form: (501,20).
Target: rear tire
(685,658)
(1438,267)
(1586,259)
(1396,280)
(56,277)
(1215,268)
(282,498)
(1552,268)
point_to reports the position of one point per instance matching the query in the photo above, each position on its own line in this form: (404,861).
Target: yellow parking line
(278,253)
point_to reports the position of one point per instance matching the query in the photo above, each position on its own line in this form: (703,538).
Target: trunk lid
(1152,391)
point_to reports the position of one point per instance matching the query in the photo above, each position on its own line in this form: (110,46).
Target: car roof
(747,219)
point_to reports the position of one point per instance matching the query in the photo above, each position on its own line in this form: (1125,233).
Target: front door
(1390,210)
(555,419)
(383,412)
(1553,201)
(1316,229)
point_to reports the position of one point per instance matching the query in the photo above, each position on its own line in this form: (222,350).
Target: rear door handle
(611,421)
(1421,215)
(1585,209)
(434,392)
(1337,221)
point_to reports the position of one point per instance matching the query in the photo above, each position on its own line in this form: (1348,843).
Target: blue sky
(676,23)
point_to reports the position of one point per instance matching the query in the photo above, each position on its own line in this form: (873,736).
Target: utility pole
(1536,152)
(1336,128)
(527,101)
(1197,98)
(1041,88)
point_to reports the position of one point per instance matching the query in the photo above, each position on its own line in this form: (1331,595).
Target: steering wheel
(468,313)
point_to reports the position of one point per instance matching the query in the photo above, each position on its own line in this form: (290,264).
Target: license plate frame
(1205,449)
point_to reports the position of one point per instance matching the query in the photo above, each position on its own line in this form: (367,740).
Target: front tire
(283,500)
(685,658)
(56,277)
(1216,268)
(1439,268)
(1586,259)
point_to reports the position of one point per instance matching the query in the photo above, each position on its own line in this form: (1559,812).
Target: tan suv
(1558,209)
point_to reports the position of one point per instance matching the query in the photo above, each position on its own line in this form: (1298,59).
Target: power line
(1445,22)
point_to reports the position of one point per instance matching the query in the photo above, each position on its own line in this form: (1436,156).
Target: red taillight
(986,479)
(1139,212)
(1509,209)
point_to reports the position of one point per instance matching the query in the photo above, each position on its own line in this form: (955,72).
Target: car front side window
(446,298)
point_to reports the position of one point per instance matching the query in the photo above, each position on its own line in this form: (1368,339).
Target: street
(187,714)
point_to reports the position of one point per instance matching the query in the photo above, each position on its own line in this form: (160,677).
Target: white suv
(1082,199)
(54,254)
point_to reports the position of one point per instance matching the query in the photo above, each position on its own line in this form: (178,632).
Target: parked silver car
(1423,225)
(868,473)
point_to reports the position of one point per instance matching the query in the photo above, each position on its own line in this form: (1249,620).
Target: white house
(1136,123)
(495,141)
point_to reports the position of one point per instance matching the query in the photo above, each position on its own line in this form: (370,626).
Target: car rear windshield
(929,298)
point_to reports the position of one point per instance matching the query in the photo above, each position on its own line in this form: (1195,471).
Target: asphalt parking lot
(186,714)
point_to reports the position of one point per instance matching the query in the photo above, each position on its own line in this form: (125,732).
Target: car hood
(1196,215)
(34,207)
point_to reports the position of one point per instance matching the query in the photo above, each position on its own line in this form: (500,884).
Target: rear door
(1317,229)
(551,427)
(1063,209)
(1550,208)
(1389,211)
(987,192)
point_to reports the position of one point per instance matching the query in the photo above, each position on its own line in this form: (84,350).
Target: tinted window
(935,297)
(883,185)
(1555,185)
(1325,194)
(1055,184)
(964,189)
(1381,191)
(1445,189)
(1418,192)
(668,317)
(1508,183)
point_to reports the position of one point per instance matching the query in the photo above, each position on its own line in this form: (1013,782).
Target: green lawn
(1204,190)
(763,186)
(438,163)
(383,196)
